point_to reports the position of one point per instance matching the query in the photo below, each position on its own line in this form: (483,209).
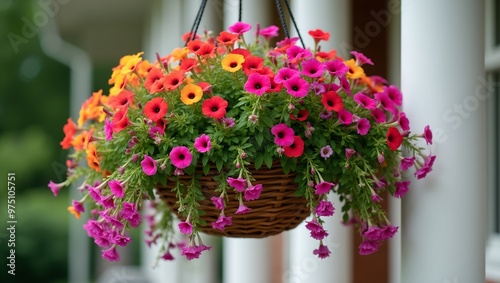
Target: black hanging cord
(294,23)
(282,18)
(197,21)
(239,11)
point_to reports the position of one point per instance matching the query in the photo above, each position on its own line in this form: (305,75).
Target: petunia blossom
(332,101)
(185,227)
(401,189)
(148,165)
(283,135)
(202,143)
(427,134)
(238,184)
(363,126)
(322,251)
(326,152)
(214,107)
(313,68)
(239,28)
(394,138)
(253,192)
(296,148)
(365,101)
(181,157)
(285,74)
(323,187)
(297,86)
(116,188)
(257,84)
(316,230)
(324,208)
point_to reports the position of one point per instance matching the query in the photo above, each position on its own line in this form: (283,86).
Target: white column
(442,69)
(333,16)
(303,266)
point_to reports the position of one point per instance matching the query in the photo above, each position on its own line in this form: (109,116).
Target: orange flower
(81,141)
(227,38)
(73,211)
(355,71)
(119,82)
(91,109)
(173,80)
(143,68)
(69,130)
(92,158)
(129,62)
(191,94)
(323,56)
(232,62)
(180,53)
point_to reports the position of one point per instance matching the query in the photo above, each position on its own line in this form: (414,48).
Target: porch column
(247,260)
(303,266)
(442,67)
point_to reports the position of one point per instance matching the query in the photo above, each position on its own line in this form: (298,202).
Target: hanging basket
(276,210)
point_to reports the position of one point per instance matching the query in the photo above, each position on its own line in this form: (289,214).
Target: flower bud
(244,155)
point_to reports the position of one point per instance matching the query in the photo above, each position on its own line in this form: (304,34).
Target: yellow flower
(191,94)
(355,71)
(232,62)
(180,53)
(129,62)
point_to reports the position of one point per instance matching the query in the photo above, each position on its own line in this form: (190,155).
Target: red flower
(187,64)
(394,138)
(332,101)
(319,35)
(206,49)
(227,38)
(155,109)
(173,80)
(154,80)
(194,45)
(296,149)
(252,64)
(123,99)
(214,107)
(69,132)
(301,116)
(120,120)
(241,51)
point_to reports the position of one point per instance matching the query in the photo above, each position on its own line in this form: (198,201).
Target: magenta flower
(386,102)
(156,132)
(257,84)
(363,126)
(287,41)
(168,256)
(191,252)
(326,151)
(297,86)
(345,117)
(373,233)
(324,208)
(313,68)
(322,251)
(394,94)
(242,209)
(78,206)
(55,187)
(116,188)
(365,101)
(285,74)
(253,192)
(181,157)
(108,129)
(269,32)
(129,212)
(93,228)
(202,143)
(401,189)
(120,240)
(336,67)
(94,193)
(238,184)
(349,152)
(344,83)
(428,134)
(323,187)
(111,254)
(148,165)
(361,59)
(222,222)
(318,88)
(317,231)
(185,227)
(403,121)
(389,231)
(283,135)
(406,163)
(379,116)
(240,28)
(376,198)
(218,202)
(367,247)
(294,53)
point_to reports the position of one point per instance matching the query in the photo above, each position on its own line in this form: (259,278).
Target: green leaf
(259,158)
(259,137)
(269,160)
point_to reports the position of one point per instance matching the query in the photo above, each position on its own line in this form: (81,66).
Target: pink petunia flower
(428,134)
(108,129)
(361,59)
(403,121)
(345,117)
(323,187)
(394,94)
(185,227)
(316,230)
(156,132)
(295,53)
(257,84)
(297,86)
(386,102)
(324,208)
(111,254)
(367,247)
(222,221)
(253,192)
(238,184)
(218,202)
(379,116)
(373,233)
(283,135)
(240,28)
(116,188)
(285,74)
(191,252)
(148,165)
(269,32)
(55,187)
(363,126)
(322,251)
(365,101)
(242,209)
(406,163)
(349,152)
(181,157)
(202,143)
(326,151)
(336,67)
(401,189)
(313,68)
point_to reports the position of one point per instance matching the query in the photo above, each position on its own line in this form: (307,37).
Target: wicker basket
(276,210)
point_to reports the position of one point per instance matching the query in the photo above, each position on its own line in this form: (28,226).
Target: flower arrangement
(222,102)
